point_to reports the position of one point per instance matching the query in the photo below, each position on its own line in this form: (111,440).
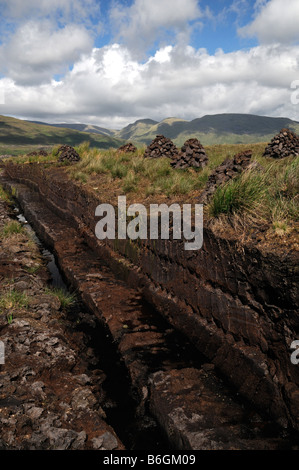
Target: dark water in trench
(56,277)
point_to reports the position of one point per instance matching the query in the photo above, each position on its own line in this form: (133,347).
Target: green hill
(91,129)
(210,129)
(16,132)
(137,130)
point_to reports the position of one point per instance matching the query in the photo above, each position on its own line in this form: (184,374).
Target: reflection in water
(57,280)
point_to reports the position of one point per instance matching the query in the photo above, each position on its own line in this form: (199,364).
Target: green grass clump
(176,183)
(243,193)
(84,147)
(80,176)
(269,194)
(12,300)
(67,299)
(4,196)
(11,228)
(119,170)
(130,183)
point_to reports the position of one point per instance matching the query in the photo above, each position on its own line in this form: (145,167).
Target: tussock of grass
(67,299)
(80,176)
(241,194)
(270,194)
(130,183)
(83,148)
(11,228)
(4,196)
(12,300)
(177,183)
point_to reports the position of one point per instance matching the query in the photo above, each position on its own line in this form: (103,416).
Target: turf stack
(161,147)
(192,154)
(284,144)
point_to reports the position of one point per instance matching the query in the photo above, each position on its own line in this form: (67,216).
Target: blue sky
(217,30)
(112,62)
(221,32)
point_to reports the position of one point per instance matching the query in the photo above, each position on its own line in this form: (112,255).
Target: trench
(136,426)
(137,430)
(48,256)
(120,405)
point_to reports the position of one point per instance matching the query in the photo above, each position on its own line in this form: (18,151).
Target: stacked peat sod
(127,148)
(192,154)
(228,170)
(67,153)
(284,144)
(161,147)
(40,153)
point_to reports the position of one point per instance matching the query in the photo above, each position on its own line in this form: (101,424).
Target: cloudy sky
(111,62)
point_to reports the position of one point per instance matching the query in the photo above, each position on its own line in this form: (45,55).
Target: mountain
(209,129)
(91,129)
(137,129)
(18,132)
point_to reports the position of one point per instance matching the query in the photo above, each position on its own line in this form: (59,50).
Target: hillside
(16,132)
(210,129)
(137,130)
(91,129)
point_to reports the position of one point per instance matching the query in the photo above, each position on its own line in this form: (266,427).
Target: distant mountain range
(210,129)
(19,132)
(80,127)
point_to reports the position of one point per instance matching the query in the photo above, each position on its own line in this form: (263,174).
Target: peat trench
(134,430)
(161,392)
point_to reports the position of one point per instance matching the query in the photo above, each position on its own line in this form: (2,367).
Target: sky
(110,63)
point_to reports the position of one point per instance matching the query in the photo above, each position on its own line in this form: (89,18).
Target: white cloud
(110,88)
(65,9)
(115,84)
(37,51)
(144,22)
(42,38)
(276,22)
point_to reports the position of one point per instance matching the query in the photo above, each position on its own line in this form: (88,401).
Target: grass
(12,300)
(67,299)
(132,173)
(269,194)
(32,269)
(130,183)
(178,183)
(11,228)
(4,196)
(80,176)
(241,194)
